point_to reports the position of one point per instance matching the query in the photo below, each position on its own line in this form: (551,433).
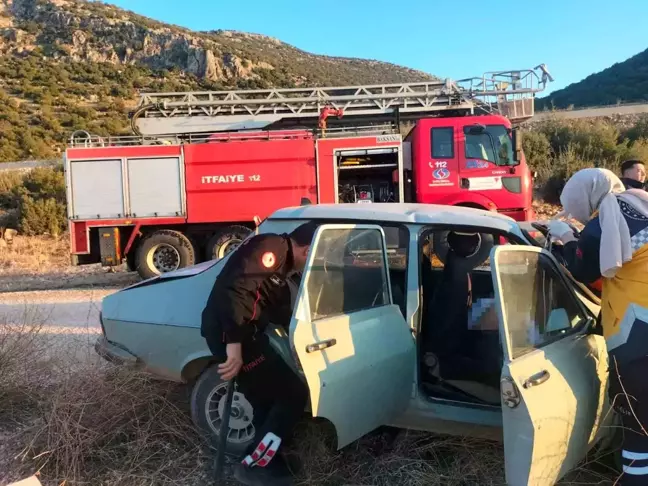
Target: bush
(41,202)
(41,216)
(10,181)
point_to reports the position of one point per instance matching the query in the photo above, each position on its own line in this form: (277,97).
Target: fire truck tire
(225,240)
(164,251)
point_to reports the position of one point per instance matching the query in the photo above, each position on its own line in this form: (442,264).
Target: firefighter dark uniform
(251,291)
(627,390)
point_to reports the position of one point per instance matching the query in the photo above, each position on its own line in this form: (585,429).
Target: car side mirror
(558,321)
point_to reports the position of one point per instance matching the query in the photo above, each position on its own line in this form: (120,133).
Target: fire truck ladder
(213,111)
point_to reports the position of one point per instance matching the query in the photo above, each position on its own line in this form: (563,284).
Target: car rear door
(354,346)
(554,374)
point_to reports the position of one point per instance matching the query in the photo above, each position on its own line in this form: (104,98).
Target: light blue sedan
(375,315)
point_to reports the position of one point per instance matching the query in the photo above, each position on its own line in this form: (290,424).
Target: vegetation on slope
(70,64)
(622,82)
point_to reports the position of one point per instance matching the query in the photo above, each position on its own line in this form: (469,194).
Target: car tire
(175,251)
(224,241)
(207,402)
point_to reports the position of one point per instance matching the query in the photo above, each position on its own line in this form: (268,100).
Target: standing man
(249,292)
(633,174)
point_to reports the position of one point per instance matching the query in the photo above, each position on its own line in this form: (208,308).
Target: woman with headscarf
(613,247)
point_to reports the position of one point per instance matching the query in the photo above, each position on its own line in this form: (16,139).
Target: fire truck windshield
(493,143)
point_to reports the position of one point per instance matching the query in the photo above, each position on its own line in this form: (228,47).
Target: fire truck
(203,168)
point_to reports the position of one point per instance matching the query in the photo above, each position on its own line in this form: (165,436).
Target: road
(64,320)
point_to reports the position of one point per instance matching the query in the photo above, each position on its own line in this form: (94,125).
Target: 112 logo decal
(441,174)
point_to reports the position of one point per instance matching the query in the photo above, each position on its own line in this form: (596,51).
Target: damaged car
(389,327)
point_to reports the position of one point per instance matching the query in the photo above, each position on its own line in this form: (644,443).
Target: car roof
(400,213)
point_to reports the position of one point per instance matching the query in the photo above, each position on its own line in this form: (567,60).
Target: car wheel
(225,241)
(164,251)
(207,407)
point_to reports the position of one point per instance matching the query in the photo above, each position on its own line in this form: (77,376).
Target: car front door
(354,346)
(554,374)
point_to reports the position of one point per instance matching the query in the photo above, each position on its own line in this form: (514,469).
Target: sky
(461,39)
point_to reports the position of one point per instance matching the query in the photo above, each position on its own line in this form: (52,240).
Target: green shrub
(639,130)
(40,200)
(41,216)
(10,182)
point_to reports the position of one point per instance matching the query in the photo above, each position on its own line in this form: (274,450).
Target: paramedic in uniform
(613,246)
(251,291)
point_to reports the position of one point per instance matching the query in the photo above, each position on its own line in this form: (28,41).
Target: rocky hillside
(624,82)
(73,64)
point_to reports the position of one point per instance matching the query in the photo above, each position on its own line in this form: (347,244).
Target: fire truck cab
(474,161)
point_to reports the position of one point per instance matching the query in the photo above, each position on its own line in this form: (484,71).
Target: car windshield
(492,144)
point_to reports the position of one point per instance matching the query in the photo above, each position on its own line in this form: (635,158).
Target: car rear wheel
(225,241)
(207,407)
(164,251)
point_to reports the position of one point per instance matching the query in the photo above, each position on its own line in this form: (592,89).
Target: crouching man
(249,290)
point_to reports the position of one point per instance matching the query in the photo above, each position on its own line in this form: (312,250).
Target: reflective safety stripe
(634,456)
(264,452)
(635,471)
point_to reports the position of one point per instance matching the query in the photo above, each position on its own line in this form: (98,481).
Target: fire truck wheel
(164,251)
(226,240)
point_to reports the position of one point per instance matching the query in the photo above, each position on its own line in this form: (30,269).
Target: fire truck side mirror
(516,135)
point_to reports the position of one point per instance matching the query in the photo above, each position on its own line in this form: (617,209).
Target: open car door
(554,374)
(354,346)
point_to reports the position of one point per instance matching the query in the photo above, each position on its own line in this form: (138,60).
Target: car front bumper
(113,353)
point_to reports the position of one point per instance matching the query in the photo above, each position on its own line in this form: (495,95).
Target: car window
(348,274)
(538,306)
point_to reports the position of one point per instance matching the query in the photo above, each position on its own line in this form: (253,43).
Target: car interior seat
(447,340)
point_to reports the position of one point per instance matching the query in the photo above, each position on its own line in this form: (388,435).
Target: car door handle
(537,379)
(321,345)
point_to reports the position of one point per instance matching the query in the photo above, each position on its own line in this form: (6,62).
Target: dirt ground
(43,263)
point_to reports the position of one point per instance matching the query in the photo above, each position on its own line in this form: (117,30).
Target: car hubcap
(241,429)
(164,258)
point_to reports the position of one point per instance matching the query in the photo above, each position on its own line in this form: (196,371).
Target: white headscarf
(589,190)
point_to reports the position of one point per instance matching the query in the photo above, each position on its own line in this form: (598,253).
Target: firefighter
(250,291)
(613,246)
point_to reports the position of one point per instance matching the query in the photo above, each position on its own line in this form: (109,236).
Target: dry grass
(82,423)
(35,254)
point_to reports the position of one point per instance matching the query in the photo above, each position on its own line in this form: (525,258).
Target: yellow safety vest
(628,286)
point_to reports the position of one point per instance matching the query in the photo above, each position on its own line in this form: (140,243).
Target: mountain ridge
(623,82)
(75,64)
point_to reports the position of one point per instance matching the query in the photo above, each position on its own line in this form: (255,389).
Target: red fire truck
(203,167)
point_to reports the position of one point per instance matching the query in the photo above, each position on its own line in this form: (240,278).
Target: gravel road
(66,320)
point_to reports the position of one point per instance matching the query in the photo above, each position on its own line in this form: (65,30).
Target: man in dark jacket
(250,291)
(633,174)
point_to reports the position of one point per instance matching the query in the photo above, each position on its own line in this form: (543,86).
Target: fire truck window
(442,143)
(493,144)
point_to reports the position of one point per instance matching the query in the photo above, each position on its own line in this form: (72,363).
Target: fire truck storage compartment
(118,188)
(96,189)
(155,187)
(368,175)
